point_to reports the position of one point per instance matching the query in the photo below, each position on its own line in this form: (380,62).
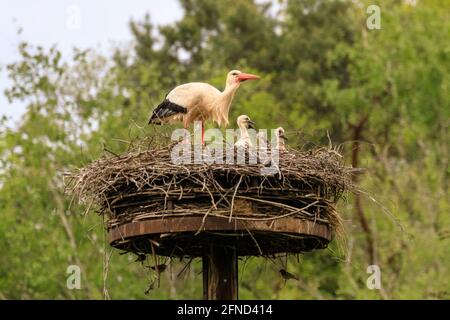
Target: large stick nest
(145,184)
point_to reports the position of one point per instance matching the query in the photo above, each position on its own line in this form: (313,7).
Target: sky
(70,23)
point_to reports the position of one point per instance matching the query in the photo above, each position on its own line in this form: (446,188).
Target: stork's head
(280,133)
(245,122)
(236,77)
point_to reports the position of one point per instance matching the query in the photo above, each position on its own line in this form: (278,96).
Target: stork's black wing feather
(165,109)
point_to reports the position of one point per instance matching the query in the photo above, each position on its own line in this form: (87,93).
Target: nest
(141,185)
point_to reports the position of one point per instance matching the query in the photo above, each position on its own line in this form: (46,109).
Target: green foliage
(322,70)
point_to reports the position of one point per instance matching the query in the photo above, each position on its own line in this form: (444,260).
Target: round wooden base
(190,235)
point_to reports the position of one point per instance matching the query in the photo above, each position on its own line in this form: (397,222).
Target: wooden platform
(189,235)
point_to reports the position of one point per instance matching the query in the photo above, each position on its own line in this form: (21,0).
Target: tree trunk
(356,137)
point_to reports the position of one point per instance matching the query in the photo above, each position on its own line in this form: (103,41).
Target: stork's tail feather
(164,110)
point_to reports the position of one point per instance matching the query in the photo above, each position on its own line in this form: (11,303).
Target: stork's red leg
(203,133)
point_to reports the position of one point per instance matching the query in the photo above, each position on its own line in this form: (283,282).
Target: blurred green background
(383,94)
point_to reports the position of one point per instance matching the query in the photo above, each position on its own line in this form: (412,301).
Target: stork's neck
(227,95)
(280,143)
(244,132)
(221,107)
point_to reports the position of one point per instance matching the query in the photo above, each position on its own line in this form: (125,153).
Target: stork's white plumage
(198,101)
(244,124)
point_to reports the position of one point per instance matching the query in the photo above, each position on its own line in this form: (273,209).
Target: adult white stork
(244,124)
(198,101)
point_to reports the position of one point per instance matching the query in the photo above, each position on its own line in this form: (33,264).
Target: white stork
(280,138)
(198,101)
(244,124)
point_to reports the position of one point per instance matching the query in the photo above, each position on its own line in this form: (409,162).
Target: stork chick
(198,101)
(244,124)
(280,138)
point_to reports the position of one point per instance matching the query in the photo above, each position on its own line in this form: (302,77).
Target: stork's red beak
(247,76)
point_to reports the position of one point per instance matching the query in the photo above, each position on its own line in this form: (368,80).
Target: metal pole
(220,273)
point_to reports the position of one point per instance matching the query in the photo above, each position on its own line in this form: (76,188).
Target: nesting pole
(220,273)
